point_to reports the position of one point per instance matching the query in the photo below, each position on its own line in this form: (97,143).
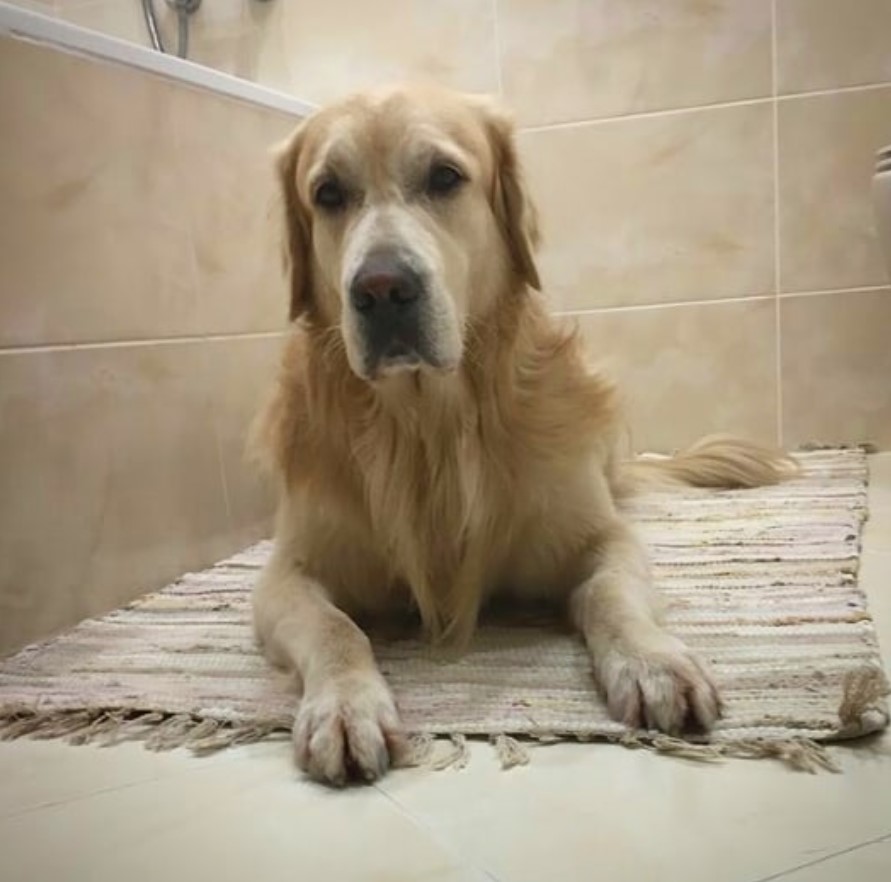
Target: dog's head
(406,217)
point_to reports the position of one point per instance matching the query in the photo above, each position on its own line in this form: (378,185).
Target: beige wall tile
(91,244)
(242,374)
(46,7)
(823,44)
(235,54)
(230,202)
(836,367)
(117,18)
(132,207)
(665,208)
(691,370)
(581,59)
(111,482)
(827,146)
(319,51)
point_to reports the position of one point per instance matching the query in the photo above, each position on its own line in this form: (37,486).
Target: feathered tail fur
(715,461)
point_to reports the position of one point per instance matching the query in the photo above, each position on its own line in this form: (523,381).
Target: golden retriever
(439,437)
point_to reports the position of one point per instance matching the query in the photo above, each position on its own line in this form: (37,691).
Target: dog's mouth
(401,357)
(398,357)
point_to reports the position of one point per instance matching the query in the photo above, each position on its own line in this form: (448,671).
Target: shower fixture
(183,9)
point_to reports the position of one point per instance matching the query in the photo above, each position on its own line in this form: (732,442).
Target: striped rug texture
(763,583)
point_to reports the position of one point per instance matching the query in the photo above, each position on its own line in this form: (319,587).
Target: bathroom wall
(702,168)
(311,49)
(141,313)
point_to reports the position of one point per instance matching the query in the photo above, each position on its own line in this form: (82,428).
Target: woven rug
(763,583)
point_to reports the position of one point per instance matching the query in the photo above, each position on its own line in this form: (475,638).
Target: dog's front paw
(347,729)
(658,684)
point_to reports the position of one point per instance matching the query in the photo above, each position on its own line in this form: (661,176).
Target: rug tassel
(457,757)
(232,736)
(801,754)
(701,753)
(418,752)
(862,698)
(134,728)
(170,734)
(63,725)
(102,725)
(509,751)
(19,724)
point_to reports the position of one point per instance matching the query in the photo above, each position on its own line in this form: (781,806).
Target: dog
(439,438)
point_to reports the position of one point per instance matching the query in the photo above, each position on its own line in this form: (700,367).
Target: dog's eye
(329,195)
(443,179)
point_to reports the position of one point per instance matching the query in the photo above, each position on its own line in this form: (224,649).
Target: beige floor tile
(868,863)
(45,774)
(245,818)
(637,816)
(877,532)
(880,481)
(875,577)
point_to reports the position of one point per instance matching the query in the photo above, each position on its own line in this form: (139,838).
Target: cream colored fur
(435,489)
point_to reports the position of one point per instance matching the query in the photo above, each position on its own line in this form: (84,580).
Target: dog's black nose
(385,285)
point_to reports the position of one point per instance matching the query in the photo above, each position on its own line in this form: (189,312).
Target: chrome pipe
(151,24)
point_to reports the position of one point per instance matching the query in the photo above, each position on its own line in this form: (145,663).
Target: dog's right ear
(297,241)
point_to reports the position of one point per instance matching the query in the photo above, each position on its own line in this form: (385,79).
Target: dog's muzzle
(389,299)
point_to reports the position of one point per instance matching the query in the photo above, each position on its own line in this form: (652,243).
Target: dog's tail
(716,461)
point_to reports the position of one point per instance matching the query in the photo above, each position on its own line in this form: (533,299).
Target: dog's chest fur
(441,500)
(445,473)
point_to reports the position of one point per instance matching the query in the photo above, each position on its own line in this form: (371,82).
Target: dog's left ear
(511,202)
(298,261)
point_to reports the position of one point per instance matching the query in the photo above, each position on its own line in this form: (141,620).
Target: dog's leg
(649,678)
(347,724)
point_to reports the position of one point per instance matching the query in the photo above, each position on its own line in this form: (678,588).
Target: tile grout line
(64,801)
(844,90)
(443,842)
(747,298)
(860,289)
(778,323)
(774,97)
(717,301)
(885,837)
(151,341)
(645,114)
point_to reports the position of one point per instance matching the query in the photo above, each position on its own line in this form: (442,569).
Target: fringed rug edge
(862,711)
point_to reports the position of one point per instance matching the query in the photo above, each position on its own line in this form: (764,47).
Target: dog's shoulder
(562,399)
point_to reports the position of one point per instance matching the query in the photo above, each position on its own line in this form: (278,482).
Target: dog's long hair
(423,476)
